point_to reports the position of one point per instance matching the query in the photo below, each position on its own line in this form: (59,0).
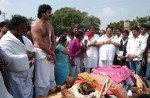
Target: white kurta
(18,75)
(136,46)
(107,51)
(91,55)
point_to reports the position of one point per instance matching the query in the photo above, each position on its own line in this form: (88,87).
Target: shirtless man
(44,41)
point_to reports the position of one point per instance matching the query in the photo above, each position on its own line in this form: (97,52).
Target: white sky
(106,10)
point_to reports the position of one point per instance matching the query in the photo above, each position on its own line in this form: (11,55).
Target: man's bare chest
(45,31)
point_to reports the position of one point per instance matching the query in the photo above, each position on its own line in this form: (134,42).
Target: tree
(67,18)
(90,21)
(134,22)
(30,20)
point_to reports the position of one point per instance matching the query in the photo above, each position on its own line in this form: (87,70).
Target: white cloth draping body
(44,68)
(44,74)
(18,73)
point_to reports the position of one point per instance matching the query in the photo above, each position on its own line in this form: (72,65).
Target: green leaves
(134,22)
(67,18)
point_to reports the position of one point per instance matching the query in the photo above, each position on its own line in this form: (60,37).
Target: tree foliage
(90,21)
(67,18)
(30,20)
(134,22)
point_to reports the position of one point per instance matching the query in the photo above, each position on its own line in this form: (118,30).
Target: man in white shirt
(143,31)
(107,47)
(119,33)
(121,52)
(91,55)
(135,48)
(119,37)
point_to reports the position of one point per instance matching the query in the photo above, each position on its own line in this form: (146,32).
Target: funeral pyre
(105,82)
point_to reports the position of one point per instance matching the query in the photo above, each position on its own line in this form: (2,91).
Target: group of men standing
(125,47)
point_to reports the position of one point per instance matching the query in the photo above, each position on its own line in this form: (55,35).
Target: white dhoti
(75,70)
(44,74)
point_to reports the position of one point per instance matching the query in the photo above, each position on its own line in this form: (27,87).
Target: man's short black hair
(144,26)
(62,39)
(148,27)
(16,20)
(71,33)
(135,28)
(110,28)
(42,9)
(78,34)
(125,31)
(28,28)
(3,23)
(92,27)
(119,29)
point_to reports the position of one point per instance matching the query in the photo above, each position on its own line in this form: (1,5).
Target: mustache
(50,15)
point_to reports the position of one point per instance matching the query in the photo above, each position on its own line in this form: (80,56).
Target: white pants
(43,91)
(75,70)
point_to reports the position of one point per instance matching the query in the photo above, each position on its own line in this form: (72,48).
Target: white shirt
(68,38)
(119,38)
(57,39)
(107,51)
(145,35)
(124,41)
(136,46)
(91,55)
(120,53)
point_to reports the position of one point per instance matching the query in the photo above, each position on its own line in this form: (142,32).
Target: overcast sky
(106,10)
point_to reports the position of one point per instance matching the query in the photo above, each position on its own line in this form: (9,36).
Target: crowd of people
(33,60)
